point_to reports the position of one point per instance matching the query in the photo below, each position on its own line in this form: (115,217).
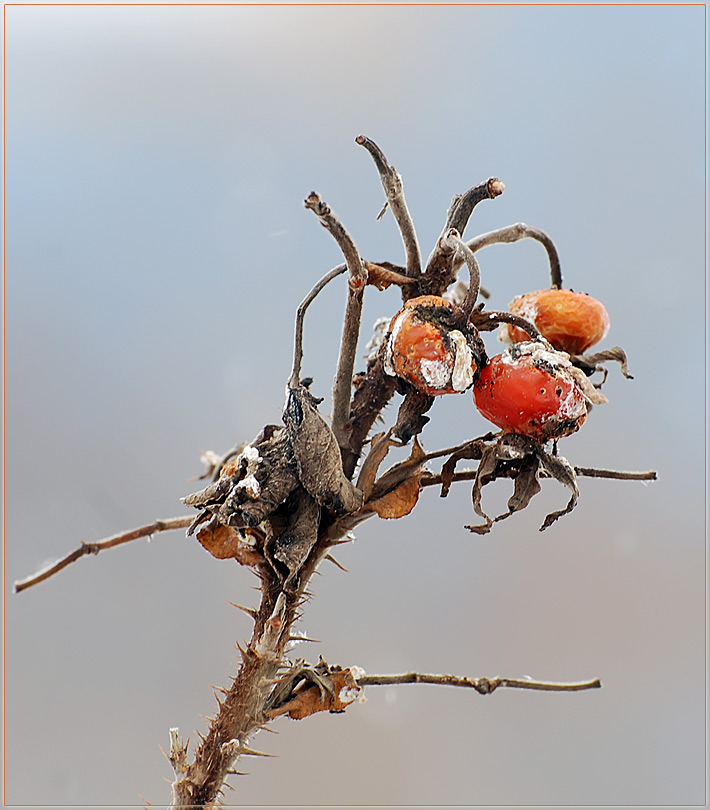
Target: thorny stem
(342,387)
(483,686)
(392,184)
(522,231)
(94,548)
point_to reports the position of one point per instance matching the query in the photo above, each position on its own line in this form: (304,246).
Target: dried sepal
(591,363)
(292,533)
(511,455)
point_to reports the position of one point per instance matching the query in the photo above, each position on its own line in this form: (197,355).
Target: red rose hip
(529,389)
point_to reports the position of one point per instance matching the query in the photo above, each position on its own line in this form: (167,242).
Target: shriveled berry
(530,389)
(570,321)
(431,345)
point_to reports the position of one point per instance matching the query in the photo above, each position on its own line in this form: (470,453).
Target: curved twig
(295,377)
(513,233)
(84,549)
(392,184)
(452,242)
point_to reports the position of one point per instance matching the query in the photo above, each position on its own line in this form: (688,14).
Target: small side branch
(300,315)
(392,184)
(342,387)
(484,686)
(452,242)
(94,548)
(435,479)
(522,231)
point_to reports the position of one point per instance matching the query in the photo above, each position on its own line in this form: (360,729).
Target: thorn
(242,651)
(249,611)
(244,750)
(332,559)
(304,638)
(236,773)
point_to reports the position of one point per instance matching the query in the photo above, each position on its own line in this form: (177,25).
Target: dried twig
(392,184)
(342,387)
(483,686)
(84,549)
(440,270)
(429,479)
(452,241)
(522,231)
(295,377)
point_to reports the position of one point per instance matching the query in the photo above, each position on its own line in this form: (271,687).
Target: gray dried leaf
(317,455)
(561,470)
(294,539)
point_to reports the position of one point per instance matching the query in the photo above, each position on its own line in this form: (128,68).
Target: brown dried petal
(379,447)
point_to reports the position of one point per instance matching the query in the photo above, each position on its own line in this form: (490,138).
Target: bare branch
(522,231)
(342,387)
(435,479)
(84,549)
(295,377)
(483,686)
(441,267)
(392,184)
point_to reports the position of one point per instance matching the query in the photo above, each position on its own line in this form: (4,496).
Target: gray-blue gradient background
(157,248)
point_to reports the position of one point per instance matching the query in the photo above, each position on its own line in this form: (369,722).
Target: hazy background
(157,248)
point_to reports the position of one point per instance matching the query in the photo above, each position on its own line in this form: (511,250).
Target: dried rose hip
(431,345)
(572,322)
(530,389)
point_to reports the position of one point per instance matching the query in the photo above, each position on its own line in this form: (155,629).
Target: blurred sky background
(157,248)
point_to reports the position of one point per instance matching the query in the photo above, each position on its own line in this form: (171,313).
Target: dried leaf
(226,543)
(293,540)
(309,699)
(473,450)
(317,455)
(379,447)
(561,470)
(400,472)
(410,418)
(400,501)
(527,485)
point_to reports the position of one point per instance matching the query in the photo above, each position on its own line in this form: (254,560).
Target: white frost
(437,373)
(462,375)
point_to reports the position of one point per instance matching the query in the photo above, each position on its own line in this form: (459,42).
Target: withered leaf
(400,501)
(317,455)
(561,470)
(410,417)
(473,450)
(485,473)
(527,485)
(226,543)
(401,471)
(294,538)
(309,699)
(379,447)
